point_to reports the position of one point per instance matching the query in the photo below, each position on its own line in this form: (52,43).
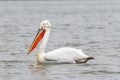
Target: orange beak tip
(28,52)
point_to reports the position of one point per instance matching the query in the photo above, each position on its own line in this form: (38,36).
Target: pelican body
(61,55)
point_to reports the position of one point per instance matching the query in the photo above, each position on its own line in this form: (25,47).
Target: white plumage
(61,55)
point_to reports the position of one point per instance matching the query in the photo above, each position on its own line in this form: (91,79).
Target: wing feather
(64,55)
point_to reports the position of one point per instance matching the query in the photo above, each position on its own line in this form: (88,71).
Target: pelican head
(44,26)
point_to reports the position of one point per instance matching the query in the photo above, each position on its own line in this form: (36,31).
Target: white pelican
(61,55)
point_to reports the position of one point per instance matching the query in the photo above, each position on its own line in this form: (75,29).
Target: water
(92,26)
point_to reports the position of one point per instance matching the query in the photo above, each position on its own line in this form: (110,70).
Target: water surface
(92,26)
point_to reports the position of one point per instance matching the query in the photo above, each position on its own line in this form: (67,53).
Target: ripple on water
(102,72)
(74,44)
(11,61)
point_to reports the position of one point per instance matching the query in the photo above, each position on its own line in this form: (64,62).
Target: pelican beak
(37,39)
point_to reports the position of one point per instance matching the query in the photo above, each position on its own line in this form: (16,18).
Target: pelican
(61,55)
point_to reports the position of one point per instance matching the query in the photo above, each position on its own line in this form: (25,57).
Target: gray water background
(93,26)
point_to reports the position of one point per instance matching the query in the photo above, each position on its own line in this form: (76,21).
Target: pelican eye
(44,24)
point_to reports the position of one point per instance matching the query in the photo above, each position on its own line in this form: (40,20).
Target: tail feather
(84,60)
